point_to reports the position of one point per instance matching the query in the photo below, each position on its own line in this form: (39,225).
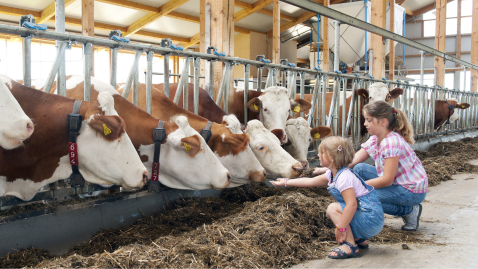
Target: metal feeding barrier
(417,101)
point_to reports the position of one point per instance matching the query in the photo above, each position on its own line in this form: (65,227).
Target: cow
(227,141)
(445,109)
(15,126)
(212,112)
(173,156)
(300,136)
(105,153)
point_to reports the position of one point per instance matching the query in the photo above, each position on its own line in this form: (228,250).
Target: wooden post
(205,34)
(458,32)
(88,25)
(325,40)
(474,47)
(391,54)
(440,41)
(376,41)
(276,33)
(176,68)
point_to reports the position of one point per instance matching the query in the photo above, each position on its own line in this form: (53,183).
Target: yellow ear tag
(106,130)
(316,135)
(297,108)
(188,148)
(255,107)
(364,95)
(463,107)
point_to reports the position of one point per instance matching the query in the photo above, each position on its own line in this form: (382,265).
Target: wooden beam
(336,2)
(18,11)
(276,33)
(440,41)
(130,4)
(424,9)
(88,25)
(162,36)
(458,32)
(325,40)
(474,47)
(193,41)
(49,11)
(391,54)
(376,42)
(255,7)
(409,12)
(151,17)
(302,61)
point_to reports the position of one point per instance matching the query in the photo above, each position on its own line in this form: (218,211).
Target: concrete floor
(449,217)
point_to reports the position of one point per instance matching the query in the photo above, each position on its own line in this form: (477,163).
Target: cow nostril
(145,177)
(304,164)
(265,174)
(228,177)
(30,127)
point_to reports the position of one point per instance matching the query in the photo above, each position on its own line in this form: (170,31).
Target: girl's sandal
(360,241)
(342,255)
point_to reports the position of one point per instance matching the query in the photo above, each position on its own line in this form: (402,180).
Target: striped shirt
(411,175)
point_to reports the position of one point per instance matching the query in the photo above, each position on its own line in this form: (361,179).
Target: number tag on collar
(106,130)
(316,135)
(255,107)
(297,108)
(188,148)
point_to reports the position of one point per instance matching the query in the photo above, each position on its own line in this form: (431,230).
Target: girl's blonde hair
(397,120)
(340,150)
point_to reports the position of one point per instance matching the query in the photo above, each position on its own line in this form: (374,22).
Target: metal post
(87,50)
(132,72)
(422,66)
(60,28)
(274,77)
(351,110)
(464,78)
(197,61)
(247,68)
(302,89)
(27,61)
(269,78)
(335,95)
(366,47)
(221,85)
(344,107)
(166,75)
(149,82)
(136,88)
(370,62)
(325,82)
(337,45)
(315,99)
(229,66)
(259,78)
(210,79)
(114,66)
(54,69)
(182,81)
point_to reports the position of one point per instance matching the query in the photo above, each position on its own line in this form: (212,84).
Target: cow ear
(320,132)
(238,142)
(254,104)
(462,105)
(299,105)
(191,144)
(395,93)
(362,93)
(110,127)
(279,133)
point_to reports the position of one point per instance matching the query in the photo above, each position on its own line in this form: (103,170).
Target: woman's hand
(340,236)
(319,170)
(279,182)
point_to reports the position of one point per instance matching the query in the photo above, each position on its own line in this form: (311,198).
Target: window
(467,87)
(429,19)
(466,7)
(466,25)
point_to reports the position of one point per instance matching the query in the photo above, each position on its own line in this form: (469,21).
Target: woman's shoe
(412,220)
(342,255)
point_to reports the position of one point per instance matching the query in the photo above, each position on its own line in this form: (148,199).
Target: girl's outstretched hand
(279,182)
(340,236)
(319,170)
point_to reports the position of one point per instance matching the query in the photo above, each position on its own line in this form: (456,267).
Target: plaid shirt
(411,175)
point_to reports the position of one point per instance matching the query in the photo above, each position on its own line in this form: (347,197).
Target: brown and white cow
(204,171)
(212,112)
(105,153)
(15,126)
(443,111)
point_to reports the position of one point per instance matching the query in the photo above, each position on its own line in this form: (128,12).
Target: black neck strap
(206,132)
(450,107)
(74,121)
(159,135)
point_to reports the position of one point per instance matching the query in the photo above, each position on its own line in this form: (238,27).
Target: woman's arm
(360,157)
(389,171)
(302,182)
(350,207)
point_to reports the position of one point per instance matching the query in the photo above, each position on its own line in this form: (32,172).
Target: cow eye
(289,109)
(310,139)
(260,148)
(265,109)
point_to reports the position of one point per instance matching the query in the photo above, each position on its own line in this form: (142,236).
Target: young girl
(398,176)
(358,214)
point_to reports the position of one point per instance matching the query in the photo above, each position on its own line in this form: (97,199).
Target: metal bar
(149,82)
(325,82)
(114,66)
(132,72)
(351,107)
(302,89)
(337,45)
(182,81)
(197,61)
(422,66)
(247,69)
(210,79)
(269,78)
(228,67)
(315,100)
(54,67)
(178,75)
(166,75)
(87,50)
(27,61)
(60,28)
(222,85)
(371,62)
(344,106)
(332,105)
(274,77)
(259,79)
(366,45)
(136,88)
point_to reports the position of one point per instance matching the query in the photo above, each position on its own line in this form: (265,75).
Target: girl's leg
(334,212)
(398,201)
(365,171)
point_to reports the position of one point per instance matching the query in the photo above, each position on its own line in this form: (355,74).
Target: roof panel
(414,5)
(171,26)
(36,5)
(257,21)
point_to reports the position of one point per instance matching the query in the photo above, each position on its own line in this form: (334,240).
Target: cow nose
(228,177)
(30,127)
(265,174)
(284,138)
(145,177)
(304,164)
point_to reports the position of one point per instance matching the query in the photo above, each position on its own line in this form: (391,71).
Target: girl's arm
(389,171)
(302,182)
(360,157)
(350,208)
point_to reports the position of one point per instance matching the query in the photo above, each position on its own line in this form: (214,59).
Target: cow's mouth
(12,139)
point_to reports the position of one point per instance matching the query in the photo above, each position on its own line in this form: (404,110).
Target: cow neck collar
(74,121)
(159,135)
(450,107)
(206,132)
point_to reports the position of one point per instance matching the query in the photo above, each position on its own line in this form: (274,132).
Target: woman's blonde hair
(397,120)
(339,149)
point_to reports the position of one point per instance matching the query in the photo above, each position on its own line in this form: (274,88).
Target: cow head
(379,91)
(15,126)
(454,102)
(267,149)
(186,160)
(238,157)
(105,153)
(300,136)
(274,106)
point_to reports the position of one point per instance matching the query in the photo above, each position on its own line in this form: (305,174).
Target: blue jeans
(395,199)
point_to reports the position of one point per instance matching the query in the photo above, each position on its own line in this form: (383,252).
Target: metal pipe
(315,99)
(351,107)
(166,74)
(422,66)
(184,84)
(344,107)
(229,66)
(132,72)
(269,78)
(222,85)
(27,61)
(247,69)
(87,50)
(60,28)
(274,77)
(332,104)
(464,78)
(210,79)
(197,61)
(182,81)
(366,43)
(302,89)
(337,46)
(325,82)
(136,88)
(54,67)
(371,62)
(149,82)
(259,79)
(114,66)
